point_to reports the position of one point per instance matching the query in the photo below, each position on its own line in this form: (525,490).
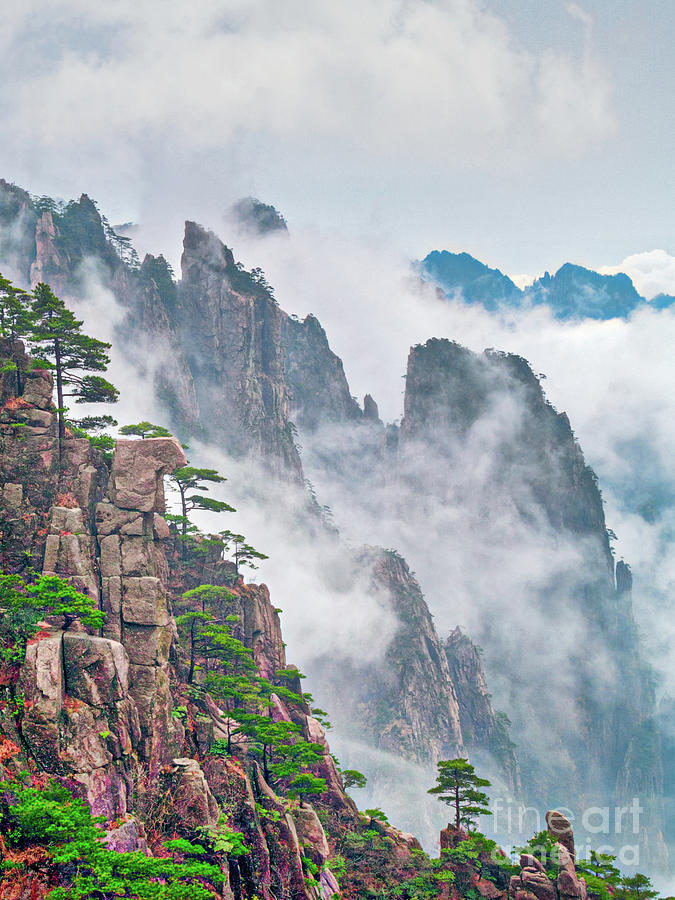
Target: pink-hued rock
(311,834)
(487,889)
(192,795)
(561,829)
(138,469)
(328,885)
(128,838)
(97,669)
(38,389)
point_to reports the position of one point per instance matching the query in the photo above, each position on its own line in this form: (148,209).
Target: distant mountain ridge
(573,292)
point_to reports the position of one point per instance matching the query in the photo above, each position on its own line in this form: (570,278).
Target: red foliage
(72,704)
(16,403)
(8,749)
(67,499)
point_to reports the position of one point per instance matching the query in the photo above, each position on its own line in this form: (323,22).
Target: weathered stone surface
(110,519)
(147,645)
(328,885)
(488,890)
(561,829)
(97,669)
(42,677)
(138,557)
(12,495)
(137,472)
(192,795)
(161,527)
(41,682)
(128,838)
(50,561)
(135,527)
(38,418)
(107,792)
(38,389)
(162,736)
(527,861)
(84,746)
(111,597)
(111,557)
(311,834)
(144,602)
(538,883)
(65,518)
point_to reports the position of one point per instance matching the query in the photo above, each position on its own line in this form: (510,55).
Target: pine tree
(189,478)
(458,785)
(145,430)
(243,554)
(70,353)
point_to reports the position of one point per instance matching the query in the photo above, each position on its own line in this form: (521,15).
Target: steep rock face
(462,407)
(17,232)
(230,326)
(485,731)
(315,376)
(420,717)
(449,390)
(73,248)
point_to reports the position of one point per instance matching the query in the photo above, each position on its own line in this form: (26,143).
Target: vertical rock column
(134,570)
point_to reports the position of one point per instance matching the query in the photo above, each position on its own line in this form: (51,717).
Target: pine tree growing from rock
(70,353)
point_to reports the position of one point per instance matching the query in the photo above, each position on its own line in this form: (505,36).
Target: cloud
(652,271)
(124,83)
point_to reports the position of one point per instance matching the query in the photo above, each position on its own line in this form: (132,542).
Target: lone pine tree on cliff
(458,785)
(189,478)
(70,353)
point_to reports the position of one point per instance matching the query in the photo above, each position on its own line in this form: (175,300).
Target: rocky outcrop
(484,730)
(17,232)
(465,410)
(533,880)
(315,376)
(230,327)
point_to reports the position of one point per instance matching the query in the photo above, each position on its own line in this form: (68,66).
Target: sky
(528,133)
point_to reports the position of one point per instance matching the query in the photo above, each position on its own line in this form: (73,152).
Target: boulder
(538,883)
(488,890)
(135,527)
(137,471)
(65,518)
(527,861)
(97,669)
(38,389)
(12,495)
(160,527)
(561,829)
(311,834)
(192,796)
